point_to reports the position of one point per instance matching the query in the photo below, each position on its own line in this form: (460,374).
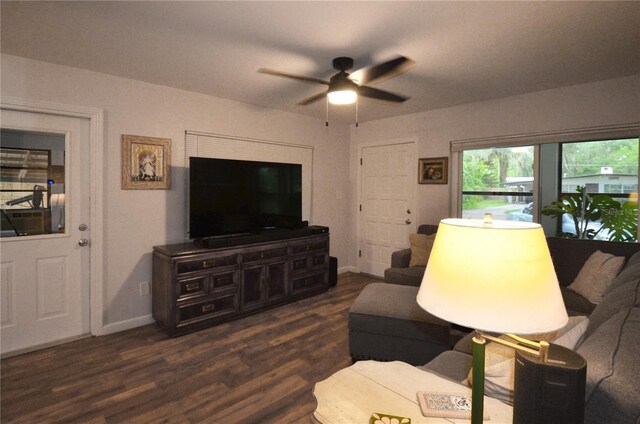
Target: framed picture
(433,170)
(146,163)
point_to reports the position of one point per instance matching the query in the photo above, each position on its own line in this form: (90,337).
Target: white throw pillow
(499,371)
(596,275)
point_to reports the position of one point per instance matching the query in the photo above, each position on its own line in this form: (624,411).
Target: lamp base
(552,392)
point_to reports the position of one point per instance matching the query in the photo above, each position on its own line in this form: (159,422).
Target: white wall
(603,103)
(136,220)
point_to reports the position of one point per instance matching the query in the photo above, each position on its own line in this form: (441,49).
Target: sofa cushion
(612,352)
(630,272)
(421,245)
(621,298)
(596,274)
(451,365)
(575,303)
(386,324)
(404,276)
(392,310)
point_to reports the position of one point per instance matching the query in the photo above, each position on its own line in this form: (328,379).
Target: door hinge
(359,253)
(360,208)
(360,161)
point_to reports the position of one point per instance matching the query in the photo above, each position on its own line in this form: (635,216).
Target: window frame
(546,146)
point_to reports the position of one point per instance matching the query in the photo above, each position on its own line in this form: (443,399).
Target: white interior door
(45,275)
(387,201)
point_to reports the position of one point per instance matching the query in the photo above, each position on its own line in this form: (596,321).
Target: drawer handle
(223,281)
(208,264)
(192,286)
(208,308)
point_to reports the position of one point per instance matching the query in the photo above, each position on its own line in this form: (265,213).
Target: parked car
(525,214)
(568,226)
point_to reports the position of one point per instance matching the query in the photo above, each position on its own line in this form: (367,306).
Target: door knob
(408,221)
(409,211)
(83,242)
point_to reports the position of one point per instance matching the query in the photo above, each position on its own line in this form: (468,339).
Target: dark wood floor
(258,369)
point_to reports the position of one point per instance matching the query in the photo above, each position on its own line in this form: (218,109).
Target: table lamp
(494,276)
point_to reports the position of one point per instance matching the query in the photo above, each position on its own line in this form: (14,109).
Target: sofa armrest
(401,258)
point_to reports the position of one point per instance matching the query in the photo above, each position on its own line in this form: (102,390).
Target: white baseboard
(127,324)
(344,269)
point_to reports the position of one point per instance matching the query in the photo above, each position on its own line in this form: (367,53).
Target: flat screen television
(233,197)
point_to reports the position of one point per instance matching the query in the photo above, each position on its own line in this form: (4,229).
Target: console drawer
(320,259)
(264,254)
(308,261)
(309,282)
(299,264)
(307,247)
(226,279)
(210,308)
(192,287)
(190,266)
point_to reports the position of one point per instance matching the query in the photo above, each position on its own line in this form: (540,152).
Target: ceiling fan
(344,88)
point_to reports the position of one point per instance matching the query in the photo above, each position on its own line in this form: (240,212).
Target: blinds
(580,134)
(204,145)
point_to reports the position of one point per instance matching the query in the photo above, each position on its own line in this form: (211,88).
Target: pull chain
(326,123)
(357,111)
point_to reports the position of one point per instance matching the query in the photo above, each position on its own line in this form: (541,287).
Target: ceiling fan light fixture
(342,97)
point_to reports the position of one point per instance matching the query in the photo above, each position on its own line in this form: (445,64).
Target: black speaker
(551,392)
(333,271)
(318,229)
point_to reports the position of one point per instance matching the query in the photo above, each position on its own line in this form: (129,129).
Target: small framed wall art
(146,163)
(433,170)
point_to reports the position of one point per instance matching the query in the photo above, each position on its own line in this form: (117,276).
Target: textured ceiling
(465,51)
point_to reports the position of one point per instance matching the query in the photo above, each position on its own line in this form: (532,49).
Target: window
(31,183)
(608,166)
(498,181)
(608,171)
(514,178)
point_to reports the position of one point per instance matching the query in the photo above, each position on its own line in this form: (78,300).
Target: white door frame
(361,146)
(96,159)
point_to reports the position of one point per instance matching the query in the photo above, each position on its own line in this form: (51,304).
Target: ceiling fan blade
(291,76)
(312,99)
(374,93)
(382,71)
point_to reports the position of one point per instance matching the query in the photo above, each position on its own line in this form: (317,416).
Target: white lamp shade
(495,276)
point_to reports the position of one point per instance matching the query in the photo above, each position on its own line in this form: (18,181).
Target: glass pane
(31,183)
(513,208)
(507,172)
(608,166)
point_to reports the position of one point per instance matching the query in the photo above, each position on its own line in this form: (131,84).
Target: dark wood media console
(196,287)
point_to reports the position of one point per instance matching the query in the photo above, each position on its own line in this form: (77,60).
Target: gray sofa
(400,272)
(612,342)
